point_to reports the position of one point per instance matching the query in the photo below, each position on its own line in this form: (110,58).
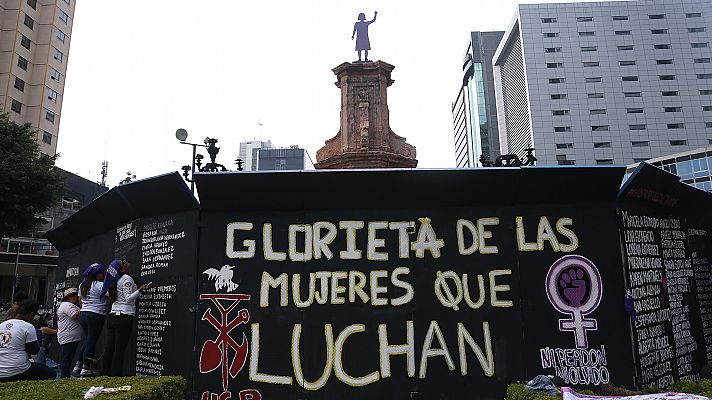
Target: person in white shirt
(123,294)
(18,340)
(95,306)
(69,331)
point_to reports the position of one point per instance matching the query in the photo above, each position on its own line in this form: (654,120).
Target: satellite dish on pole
(181,134)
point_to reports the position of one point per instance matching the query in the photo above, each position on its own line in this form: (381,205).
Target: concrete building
(249,151)
(34,48)
(474,112)
(30,262)
(284,159)
(606,83)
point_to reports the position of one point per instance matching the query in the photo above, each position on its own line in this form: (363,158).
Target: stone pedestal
(365,139)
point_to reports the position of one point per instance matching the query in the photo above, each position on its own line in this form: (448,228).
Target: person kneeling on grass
(18,340)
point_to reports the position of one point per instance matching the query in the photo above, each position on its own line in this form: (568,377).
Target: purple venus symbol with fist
(574,285)
(574,288)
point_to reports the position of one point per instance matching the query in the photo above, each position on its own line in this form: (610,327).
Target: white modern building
(249,151)
(607,82)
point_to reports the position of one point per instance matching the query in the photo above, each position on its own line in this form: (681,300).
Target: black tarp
(666,240)
(153,224)
(522,324)
(550,255)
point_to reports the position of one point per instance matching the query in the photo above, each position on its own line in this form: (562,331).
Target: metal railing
(27,245)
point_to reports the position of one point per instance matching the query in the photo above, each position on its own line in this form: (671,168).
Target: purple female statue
(361,33)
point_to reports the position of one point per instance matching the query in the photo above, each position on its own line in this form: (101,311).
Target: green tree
(29,181)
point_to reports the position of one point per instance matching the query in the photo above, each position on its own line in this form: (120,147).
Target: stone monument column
(365,139)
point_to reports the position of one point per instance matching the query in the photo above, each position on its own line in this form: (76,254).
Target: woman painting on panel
(95,306)
(123,293)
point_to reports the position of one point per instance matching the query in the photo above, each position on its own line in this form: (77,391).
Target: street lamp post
(197,159)
(182,135)
(14,277)
(213,151)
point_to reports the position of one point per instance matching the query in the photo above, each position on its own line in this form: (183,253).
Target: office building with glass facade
(291,158)
(694,167)
(259,155)
(606,82)
(474,111)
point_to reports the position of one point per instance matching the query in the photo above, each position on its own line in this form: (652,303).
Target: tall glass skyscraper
(474,111)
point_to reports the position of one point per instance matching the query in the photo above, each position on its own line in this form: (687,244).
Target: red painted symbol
(214,353)
(247,394)
(250,394)
(214,396)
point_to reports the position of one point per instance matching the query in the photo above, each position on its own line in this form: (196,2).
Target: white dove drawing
(223,278)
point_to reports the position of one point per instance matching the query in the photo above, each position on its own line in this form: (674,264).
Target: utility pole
(14,277)
(104,172)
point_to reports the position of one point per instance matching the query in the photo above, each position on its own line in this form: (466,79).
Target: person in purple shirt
(361,34)
(95,306)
